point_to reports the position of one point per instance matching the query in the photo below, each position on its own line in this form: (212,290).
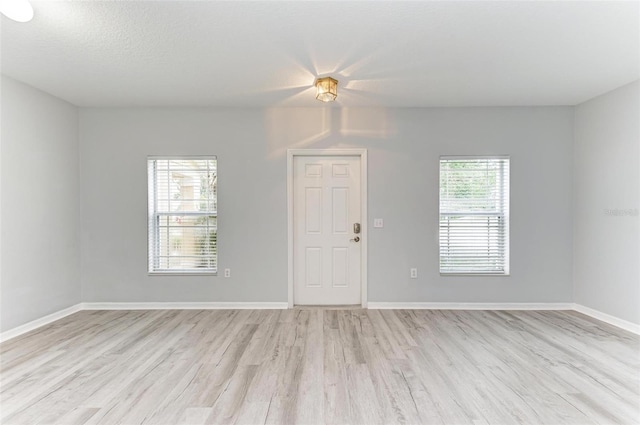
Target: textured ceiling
(397,54)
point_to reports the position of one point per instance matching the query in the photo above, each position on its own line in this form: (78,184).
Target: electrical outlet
(414,273)
(378,223)
(227,272)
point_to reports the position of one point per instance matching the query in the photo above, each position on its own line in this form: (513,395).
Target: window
(474,215)
(183,215)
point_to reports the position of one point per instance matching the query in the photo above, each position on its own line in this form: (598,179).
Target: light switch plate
(378,223)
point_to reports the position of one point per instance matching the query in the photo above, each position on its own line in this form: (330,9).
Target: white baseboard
(186,306)
(35,324)
(470,306)
(607,318)
(27,327)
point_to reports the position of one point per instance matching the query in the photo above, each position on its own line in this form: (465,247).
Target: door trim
(362,154)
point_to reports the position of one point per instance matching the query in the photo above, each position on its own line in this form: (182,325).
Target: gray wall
(606,203)
(40,220)
(404,146)
(41,196)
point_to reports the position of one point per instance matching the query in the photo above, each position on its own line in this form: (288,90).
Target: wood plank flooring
(321,366)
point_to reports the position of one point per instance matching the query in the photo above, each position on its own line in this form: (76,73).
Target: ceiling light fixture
(327,89)
(18,10)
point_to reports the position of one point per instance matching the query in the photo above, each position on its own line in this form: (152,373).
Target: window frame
(155,228)
(506,214)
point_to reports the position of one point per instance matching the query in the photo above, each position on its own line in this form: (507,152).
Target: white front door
(326,248)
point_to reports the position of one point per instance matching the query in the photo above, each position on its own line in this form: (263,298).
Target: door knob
(356,239)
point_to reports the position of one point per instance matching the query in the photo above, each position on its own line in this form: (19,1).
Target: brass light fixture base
(327,89)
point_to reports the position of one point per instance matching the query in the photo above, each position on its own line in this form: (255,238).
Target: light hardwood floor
(308,366)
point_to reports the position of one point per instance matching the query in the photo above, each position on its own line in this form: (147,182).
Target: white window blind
(183,215)
(474,215)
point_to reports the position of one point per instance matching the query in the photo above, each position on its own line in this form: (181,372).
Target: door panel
(313,266)
(326,205)
(313,210)
(340,210)
(340,267)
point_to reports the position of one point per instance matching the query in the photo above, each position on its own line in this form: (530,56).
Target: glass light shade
(327,89)
(18,10)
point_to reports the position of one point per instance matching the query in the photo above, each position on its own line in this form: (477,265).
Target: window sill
(475,274)
(182,273)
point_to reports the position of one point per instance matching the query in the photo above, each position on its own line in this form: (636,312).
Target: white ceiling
(396,54)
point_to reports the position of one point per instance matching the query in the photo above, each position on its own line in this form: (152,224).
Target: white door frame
(362,154)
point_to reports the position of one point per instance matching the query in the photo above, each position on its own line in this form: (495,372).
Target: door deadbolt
(356,228)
